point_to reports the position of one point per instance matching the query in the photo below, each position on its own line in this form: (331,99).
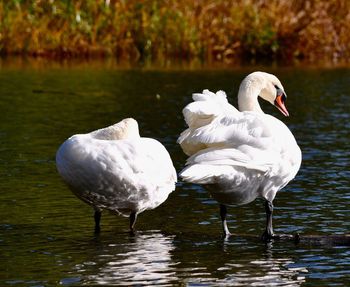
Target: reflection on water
(152,259)
(236,262)
(272,273)
(266,271)
(46,233)
(144,260)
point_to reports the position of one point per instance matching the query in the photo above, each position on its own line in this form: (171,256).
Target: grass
(210,30)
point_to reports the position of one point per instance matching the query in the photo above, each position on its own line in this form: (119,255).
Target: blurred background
(206,30)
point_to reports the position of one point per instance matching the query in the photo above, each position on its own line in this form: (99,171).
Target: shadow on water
(46,234)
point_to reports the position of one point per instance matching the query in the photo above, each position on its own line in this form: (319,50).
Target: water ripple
(143,261)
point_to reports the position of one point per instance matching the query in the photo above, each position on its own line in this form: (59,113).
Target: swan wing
(227,131)
(231,157)
(255,142)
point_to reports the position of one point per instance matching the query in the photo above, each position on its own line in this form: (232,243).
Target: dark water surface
(46,234)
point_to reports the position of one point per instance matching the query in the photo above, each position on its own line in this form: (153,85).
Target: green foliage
(156,29)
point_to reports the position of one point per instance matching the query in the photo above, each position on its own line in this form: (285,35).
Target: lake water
(46,234)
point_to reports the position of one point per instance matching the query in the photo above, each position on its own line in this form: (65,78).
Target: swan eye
(284,98)
(280,92)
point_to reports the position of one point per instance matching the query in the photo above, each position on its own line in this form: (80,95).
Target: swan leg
(133,217)
(268,233)
(97,217)
(223,213)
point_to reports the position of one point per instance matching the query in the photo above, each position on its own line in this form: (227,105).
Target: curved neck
(125,129)
(248,96)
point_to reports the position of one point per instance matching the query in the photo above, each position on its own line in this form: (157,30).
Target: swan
(113,168)
(240,155)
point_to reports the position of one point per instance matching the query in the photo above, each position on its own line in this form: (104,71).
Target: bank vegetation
(209,30)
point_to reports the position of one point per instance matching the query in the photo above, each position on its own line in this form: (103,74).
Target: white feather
(116,169)
(238,155)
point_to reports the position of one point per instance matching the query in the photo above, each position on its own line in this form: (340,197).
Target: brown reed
(211,30)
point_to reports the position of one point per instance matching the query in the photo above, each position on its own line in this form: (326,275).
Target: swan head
(125,129)
(264,85)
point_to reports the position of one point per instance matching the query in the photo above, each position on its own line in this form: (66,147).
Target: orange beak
(280,104)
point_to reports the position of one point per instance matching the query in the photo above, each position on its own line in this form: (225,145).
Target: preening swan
(239,155)
(115,169)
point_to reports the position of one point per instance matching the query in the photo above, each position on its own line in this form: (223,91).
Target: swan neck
(248,97)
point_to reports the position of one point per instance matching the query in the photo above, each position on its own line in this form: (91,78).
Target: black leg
(133,217)
(97,217)
(268,233)
(223,212)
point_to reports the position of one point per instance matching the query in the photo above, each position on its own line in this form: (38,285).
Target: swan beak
(280,104)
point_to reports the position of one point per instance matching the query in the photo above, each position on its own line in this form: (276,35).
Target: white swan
(115,169)
(240,155)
